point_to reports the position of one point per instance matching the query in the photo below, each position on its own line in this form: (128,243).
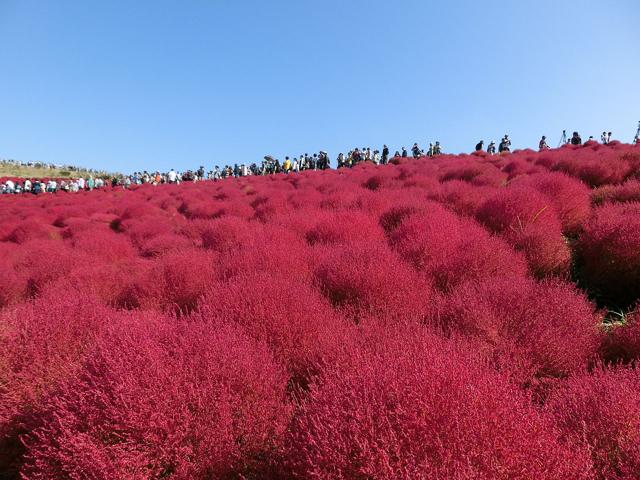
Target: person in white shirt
(10,186)
(172,176)
(81,183)
(27,185)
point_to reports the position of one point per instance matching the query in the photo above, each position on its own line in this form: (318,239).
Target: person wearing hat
(505,145)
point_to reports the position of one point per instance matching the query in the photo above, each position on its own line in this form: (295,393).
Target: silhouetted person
(415,150)
(491,149)
(543,144)
(575,139)
(385,154)
(505,144)
(479,146)
(404,152)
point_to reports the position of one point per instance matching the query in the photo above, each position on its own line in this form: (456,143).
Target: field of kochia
(458,317)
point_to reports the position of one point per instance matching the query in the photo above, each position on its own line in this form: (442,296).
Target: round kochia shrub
(42,344)
(370,280)
(527,220)
(409,405)
(570,198)
(293,319)
(532,331)
(601,412)
(609,256)
(622,343)
(450,250)
(159,399)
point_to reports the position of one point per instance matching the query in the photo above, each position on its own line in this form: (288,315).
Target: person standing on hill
(479,146)
(576,139)
(415,150)
(437,149)
(385,154)
(505,145)
(543,144)
(404,152)
(172,176)
(491,149)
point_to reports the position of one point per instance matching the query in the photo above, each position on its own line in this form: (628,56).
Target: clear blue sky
(127,85)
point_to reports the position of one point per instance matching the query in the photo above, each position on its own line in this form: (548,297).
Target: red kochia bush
(158,399)
(527,220)
(363,281)
(530,330)
(298,325)
(177,280)
(330,228)
(450,250)
(608,253)
(569,197)
(602,413)
(42,344)
(629,191)
(622,343)
(408,405)
(39,262)
(31,230)
(12,287)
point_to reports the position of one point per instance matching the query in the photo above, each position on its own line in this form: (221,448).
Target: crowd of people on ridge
(268,166)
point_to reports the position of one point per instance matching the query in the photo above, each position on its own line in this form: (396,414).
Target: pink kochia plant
(155,399)
(527,220)
(410,405)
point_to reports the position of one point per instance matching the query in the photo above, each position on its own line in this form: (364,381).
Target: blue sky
(128,85)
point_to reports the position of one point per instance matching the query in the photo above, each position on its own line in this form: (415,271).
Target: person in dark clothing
(543,144)
(479,146)
(415,150)
(404,152)
(385,155)
(505,145)
(575,139)
(491,149)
